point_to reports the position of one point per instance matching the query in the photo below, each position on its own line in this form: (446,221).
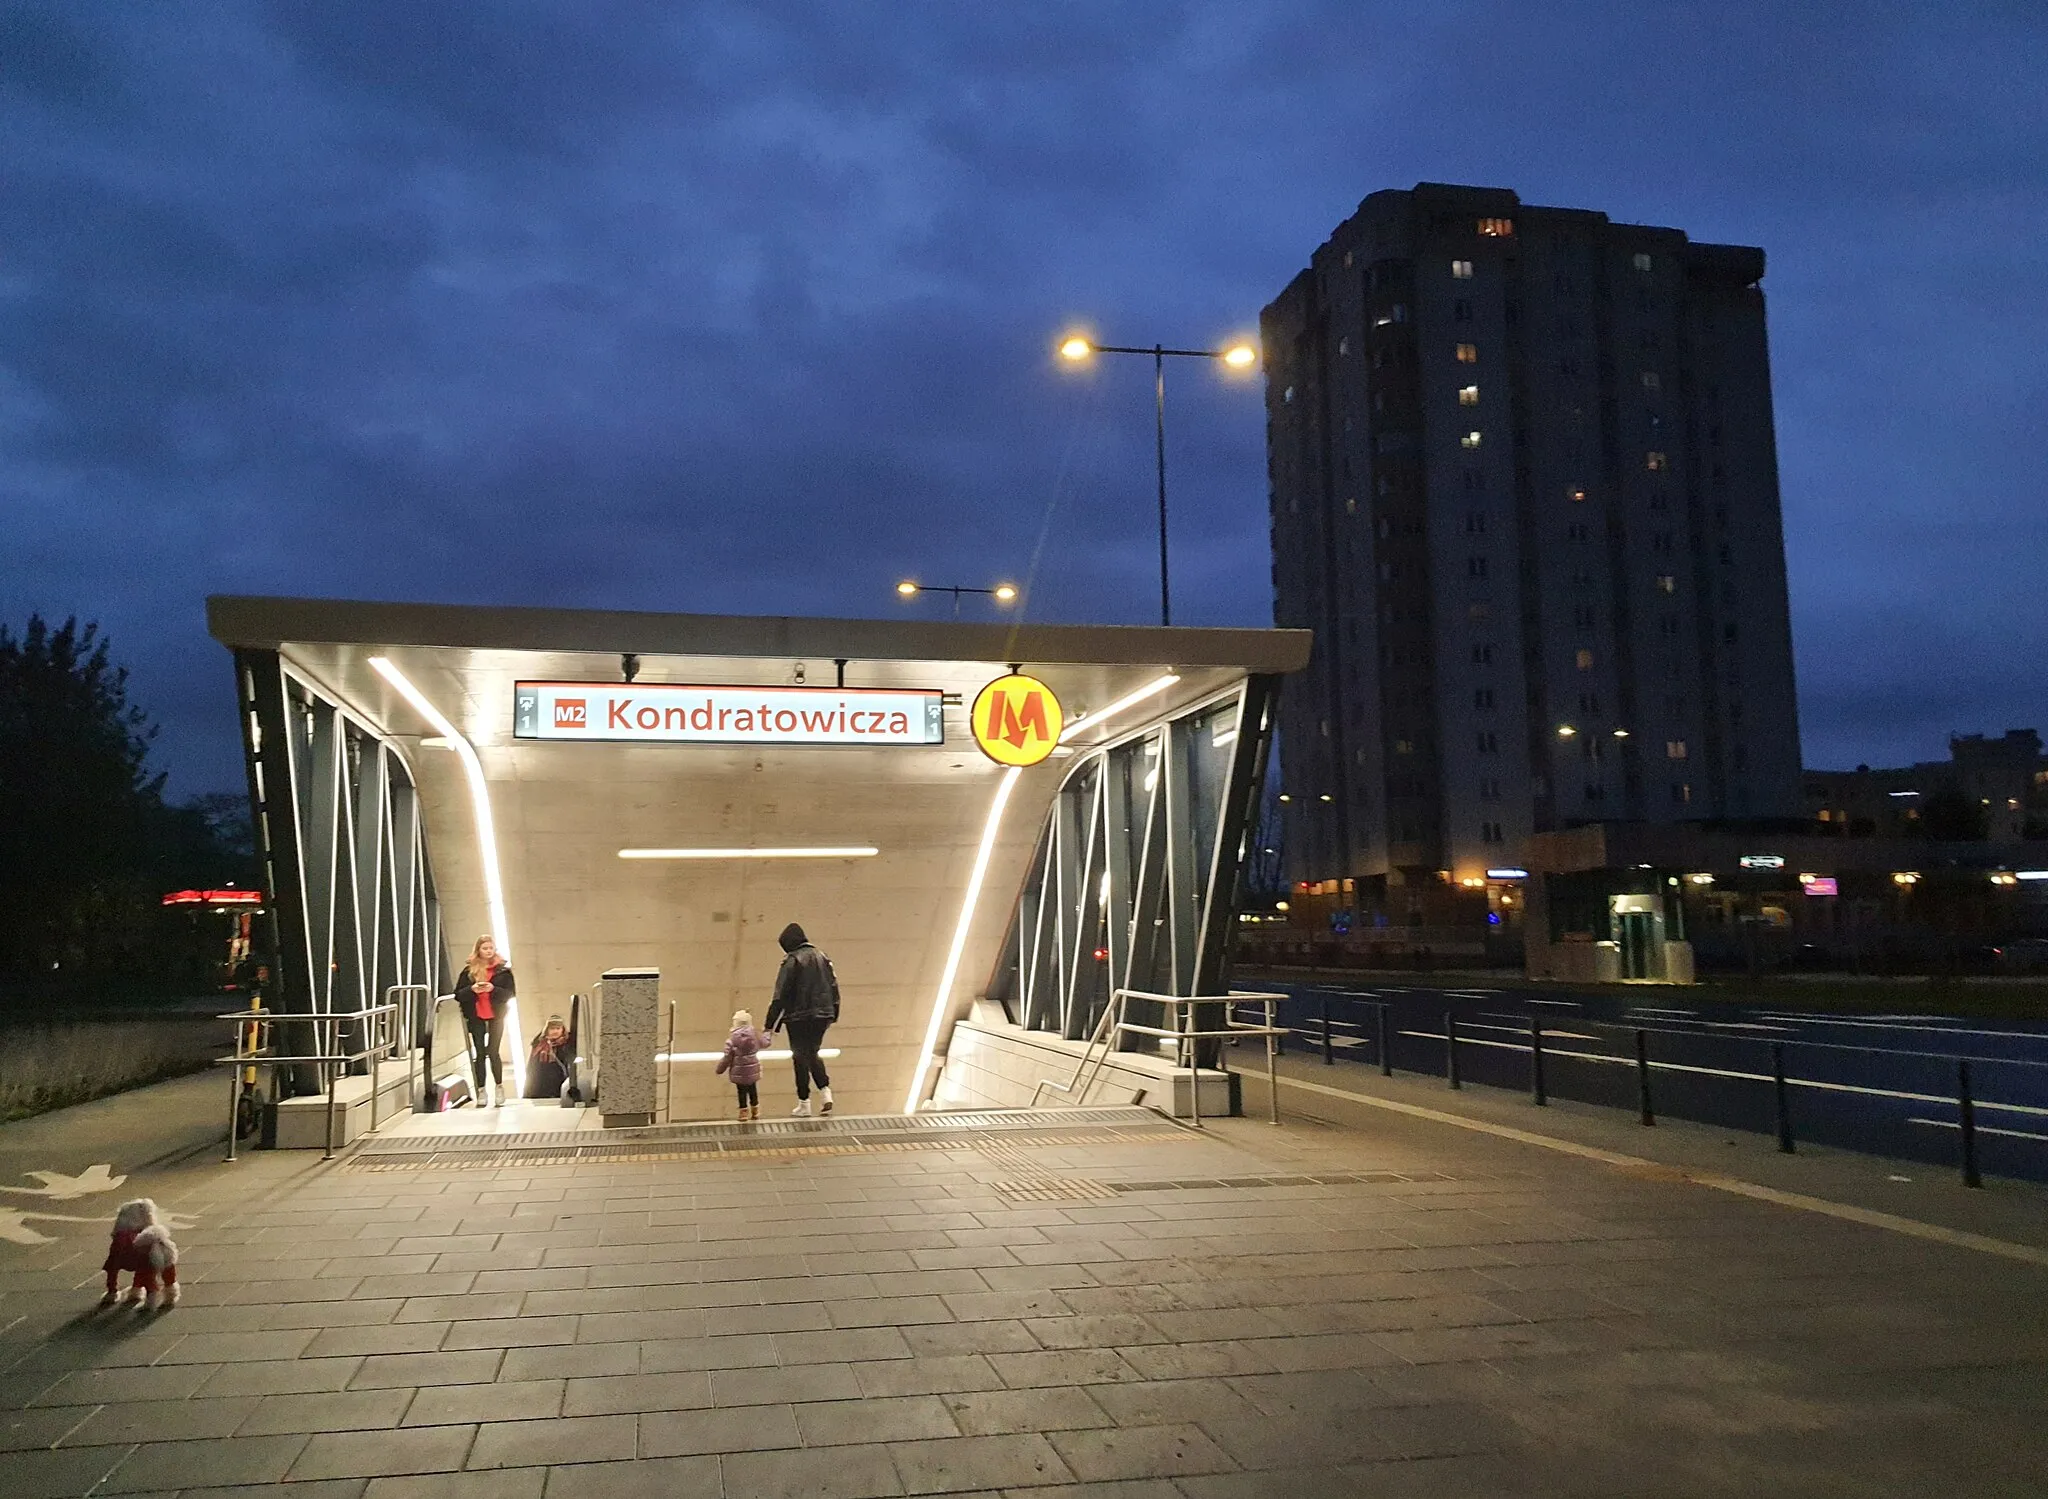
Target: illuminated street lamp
(1077,348)
(1002,593)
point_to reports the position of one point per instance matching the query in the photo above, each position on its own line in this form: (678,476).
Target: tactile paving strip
(472,1153)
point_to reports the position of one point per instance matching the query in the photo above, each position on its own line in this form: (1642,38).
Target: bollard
(1451,1050)
(1783,1097)
(1386,1055)
(1649,1114)
(1329,1055)
(1537,1094)
(1966,1116)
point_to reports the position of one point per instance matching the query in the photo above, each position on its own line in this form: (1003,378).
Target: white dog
(144,1249)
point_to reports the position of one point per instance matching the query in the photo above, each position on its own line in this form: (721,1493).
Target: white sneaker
(802,1109)
(170,1298)
(824,1100)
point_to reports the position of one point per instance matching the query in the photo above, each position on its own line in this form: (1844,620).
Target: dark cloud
(750,306)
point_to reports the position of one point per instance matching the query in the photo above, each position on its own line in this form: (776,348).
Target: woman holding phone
(484,991)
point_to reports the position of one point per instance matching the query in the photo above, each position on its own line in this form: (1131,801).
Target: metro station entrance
(606,792)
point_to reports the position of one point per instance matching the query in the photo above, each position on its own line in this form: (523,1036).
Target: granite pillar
(630,999)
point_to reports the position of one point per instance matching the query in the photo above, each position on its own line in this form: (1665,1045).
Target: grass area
(1968,998)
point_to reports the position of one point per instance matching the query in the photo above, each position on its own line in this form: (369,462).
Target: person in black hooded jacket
(807,1000)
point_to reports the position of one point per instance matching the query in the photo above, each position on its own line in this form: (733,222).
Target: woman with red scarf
(484,991)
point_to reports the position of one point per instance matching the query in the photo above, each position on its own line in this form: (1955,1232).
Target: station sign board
(1017,720)
(628,713)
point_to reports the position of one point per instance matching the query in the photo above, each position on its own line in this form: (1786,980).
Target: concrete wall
(993,1064)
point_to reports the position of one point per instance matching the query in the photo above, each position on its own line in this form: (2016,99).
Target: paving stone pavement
(1465,1314)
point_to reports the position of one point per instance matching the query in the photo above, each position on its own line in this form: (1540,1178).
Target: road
(1887,1084)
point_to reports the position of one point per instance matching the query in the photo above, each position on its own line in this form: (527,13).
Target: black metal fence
(1979,1114)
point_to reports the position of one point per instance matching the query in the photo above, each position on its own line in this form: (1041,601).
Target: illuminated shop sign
(1820,884)
(1017,720)
(660,714)
(1763,861)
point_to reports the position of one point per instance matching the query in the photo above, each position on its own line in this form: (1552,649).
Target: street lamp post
(1002,593)
(1238,356)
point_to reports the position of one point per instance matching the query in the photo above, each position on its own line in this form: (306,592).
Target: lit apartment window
(1576,495)
(1462,269)
(1351,507)
(1468,395)
(1655,462)
(1343,347)
(1584,660)
(1496,228)
(1468,353)
(1674,749)
(1642,261)
(1681,792)
(1469,440)
(1666,583)
(1652,380)
(1404,746)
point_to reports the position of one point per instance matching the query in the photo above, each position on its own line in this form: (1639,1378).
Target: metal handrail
(254,1026)
(1098,1037)
(1113,1026)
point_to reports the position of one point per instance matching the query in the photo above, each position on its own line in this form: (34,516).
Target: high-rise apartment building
(1525,491)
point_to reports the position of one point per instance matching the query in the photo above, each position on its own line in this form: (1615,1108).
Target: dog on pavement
(144,1250)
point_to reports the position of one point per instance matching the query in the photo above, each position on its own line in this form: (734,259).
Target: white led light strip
(941,1001)
(861,851)
(1129,700)
(486,839)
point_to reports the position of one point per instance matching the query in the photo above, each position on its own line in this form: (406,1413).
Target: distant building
(1991,788)
(1524,489)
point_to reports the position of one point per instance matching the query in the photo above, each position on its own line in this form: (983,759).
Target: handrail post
(1272,1050)
(331,1095)
(1783,1097)
(234,1093)
(1329,1053)
(1649,1114)
(1185,1023)
(1966,1117)
(1451,1050)
(1386,1053)
(1537,1093)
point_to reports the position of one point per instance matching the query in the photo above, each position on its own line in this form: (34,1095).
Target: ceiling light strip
(857,851)
(942,1000)
(1129,700)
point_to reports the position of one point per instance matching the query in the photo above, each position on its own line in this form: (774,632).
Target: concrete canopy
(564,810)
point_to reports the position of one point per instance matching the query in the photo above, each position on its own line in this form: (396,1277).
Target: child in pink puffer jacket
(742,1063)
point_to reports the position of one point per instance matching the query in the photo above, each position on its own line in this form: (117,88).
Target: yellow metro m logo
(1017,720)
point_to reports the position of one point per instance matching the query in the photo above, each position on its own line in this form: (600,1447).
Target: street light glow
(1076,347)
(1240,356)
(907,588)
(1005,592)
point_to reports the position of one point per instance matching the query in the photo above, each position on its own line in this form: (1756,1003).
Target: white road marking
(1754,1077)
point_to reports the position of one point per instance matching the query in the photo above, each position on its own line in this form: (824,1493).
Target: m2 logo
(572,713)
